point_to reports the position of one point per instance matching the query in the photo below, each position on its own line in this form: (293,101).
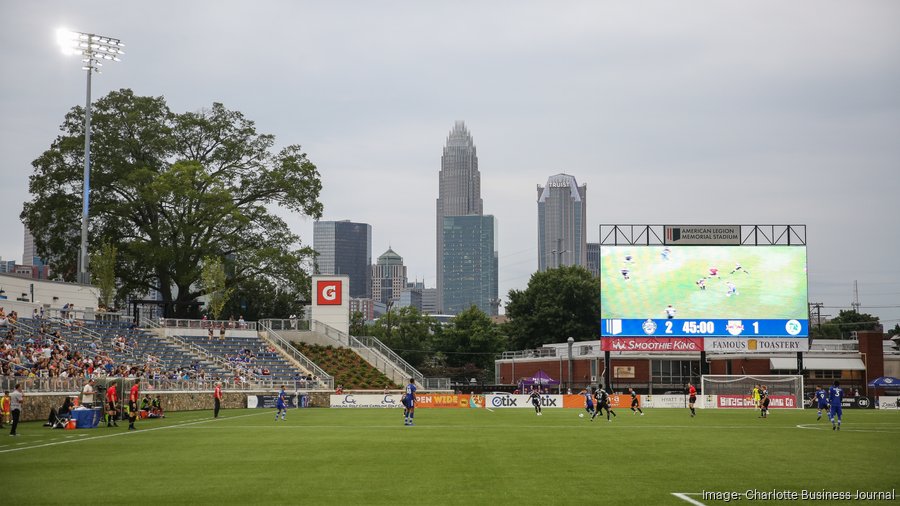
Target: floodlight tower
(93,50)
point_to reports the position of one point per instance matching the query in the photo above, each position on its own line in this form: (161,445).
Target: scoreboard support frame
(654,235)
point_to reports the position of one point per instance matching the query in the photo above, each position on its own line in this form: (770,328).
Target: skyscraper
(459,191)
(345,247)
(562,223)
(388,277)
(593,258)
(470,274)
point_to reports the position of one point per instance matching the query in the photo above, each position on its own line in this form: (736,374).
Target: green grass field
(452,456)
(774,288)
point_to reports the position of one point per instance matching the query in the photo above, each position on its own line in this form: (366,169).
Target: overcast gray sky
(671,112)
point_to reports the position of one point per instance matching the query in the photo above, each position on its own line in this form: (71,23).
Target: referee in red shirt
(111,399)
(133,403)
(217,399)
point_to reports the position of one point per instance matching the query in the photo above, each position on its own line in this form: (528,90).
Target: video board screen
(704,291)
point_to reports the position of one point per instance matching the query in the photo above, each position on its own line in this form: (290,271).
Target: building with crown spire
(388,277)
(466,238)
(562,223)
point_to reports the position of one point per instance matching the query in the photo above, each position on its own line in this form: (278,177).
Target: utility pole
(855,304)
(815,308)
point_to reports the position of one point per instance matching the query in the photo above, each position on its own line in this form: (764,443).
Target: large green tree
(406,331)
(167,190)
(557,304)
(471,338)
(843,324)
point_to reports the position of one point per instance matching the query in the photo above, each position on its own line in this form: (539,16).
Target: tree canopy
(557,304)
(169,189)
(845,322)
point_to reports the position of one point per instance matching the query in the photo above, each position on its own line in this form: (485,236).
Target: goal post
(735,391)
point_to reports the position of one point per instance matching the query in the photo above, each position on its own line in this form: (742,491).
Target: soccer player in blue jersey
(821,397)
(409,402)
(835,396)
(589,402)
(281,404)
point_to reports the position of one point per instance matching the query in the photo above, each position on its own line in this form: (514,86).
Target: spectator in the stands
(241,323)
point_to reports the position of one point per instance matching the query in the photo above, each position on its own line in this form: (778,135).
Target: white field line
(176,425)
(684,497)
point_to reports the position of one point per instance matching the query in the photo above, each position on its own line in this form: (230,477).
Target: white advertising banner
(495,401)
(366,401)
(753,344)
(677,401)
(888,402)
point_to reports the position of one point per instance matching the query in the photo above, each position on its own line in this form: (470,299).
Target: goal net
(785,391)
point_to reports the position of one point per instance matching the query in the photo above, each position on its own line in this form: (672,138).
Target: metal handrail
(288,348)
(371,344)
(374,343)
(290,324)
(186,323)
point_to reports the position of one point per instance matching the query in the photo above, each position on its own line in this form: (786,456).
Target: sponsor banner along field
(393,401)
(743,401)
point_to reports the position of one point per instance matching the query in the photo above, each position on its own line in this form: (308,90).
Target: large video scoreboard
(677,291)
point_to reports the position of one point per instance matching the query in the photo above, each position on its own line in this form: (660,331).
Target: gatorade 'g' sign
(328,293)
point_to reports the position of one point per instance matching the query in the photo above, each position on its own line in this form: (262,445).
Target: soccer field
(451,456)
(770,284)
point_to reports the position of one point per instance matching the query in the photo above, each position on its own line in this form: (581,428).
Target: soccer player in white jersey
(670,312)
(739,268)
(701,283)
(732,289)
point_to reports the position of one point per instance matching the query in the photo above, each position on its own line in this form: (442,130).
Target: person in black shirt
(603,403)
(764,402)
(635,405)
(535,399)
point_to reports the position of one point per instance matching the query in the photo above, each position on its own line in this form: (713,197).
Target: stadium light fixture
(92,48)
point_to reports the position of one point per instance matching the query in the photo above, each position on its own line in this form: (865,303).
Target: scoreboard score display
(704,291)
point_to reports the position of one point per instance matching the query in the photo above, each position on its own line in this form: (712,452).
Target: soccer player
(738,268)
(732,289)
(133,403)
(589,402)
(626,273)
(701,283)
(713,273)
(409,403)
(835,397)
(670,312)
(821,397)
(754,394)
(635,405)
(603,403)
(535,399)
(112,397)
(764,402)
(281,404)
(629,259)
(692,398)
(665,253)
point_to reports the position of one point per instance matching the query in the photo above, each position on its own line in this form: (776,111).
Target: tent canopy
(539,378)
(885,381)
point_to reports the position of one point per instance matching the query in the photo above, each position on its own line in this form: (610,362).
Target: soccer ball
(580,415)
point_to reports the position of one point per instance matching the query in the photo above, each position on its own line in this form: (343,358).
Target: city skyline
(670,115)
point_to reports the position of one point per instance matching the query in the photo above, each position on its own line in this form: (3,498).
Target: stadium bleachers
(254,356)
